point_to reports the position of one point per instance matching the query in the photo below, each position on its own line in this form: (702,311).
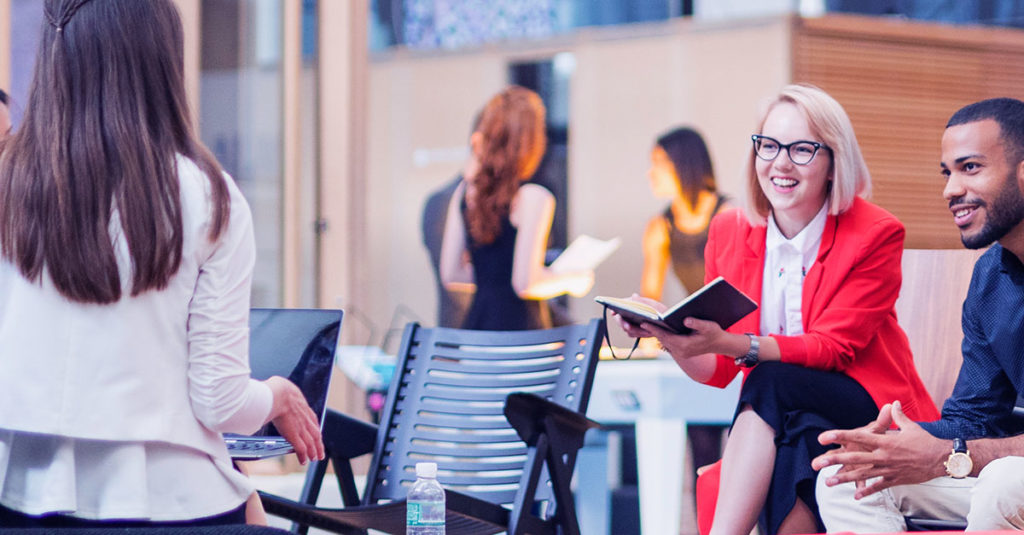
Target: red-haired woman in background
(497,230)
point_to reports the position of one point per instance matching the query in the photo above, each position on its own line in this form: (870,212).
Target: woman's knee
(766,375)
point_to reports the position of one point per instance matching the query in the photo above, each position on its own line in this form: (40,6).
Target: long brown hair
(689,156)
(512,142)
(105,119)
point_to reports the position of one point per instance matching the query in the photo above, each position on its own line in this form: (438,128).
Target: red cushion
(707,496)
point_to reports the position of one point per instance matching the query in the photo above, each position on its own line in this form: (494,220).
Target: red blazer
(848,302)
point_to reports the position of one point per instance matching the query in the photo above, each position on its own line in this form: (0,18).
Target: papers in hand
(584,253)
(717,301)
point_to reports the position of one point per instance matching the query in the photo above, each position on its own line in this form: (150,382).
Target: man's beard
(1003,214)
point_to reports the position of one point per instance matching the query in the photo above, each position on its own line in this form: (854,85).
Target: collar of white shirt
(805,240)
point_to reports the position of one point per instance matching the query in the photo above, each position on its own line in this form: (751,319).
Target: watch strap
(750,358)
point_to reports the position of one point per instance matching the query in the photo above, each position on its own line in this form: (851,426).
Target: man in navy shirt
(970,463)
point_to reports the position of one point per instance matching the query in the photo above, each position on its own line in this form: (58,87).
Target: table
(659,399)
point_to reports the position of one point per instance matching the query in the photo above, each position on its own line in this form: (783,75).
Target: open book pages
(584,253)
(717,301)
(636,307)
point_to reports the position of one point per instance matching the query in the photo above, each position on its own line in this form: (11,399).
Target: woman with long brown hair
(682,173)
(497,229)
(126,259)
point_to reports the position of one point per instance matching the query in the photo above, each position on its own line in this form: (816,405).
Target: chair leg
(524,498)
(346,481)
(560,456)
(310,491)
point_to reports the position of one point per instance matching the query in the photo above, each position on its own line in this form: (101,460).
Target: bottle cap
(426,470)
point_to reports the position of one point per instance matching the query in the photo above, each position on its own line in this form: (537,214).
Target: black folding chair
(500,412)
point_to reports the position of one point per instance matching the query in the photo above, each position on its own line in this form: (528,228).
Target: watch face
(959,465)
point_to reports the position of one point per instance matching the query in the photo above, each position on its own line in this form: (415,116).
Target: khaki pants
(992,501)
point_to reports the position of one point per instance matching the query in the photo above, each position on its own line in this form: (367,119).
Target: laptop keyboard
(257,445)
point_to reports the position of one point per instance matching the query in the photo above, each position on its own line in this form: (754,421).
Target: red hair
(511,144)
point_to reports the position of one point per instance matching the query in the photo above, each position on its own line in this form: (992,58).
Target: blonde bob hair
(848,173)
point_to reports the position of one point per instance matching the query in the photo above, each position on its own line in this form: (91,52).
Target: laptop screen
(298,344)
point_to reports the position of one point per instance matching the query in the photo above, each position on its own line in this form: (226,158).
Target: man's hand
(911,455)
(879,426)
(293,418)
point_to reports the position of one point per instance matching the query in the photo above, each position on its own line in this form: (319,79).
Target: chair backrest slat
(446,400)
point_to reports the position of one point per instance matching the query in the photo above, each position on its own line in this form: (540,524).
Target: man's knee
(831,499)
(841,512)
(997,501)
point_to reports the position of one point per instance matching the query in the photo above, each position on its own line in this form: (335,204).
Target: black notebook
(717,301)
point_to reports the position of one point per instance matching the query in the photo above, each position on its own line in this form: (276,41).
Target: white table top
(625,390)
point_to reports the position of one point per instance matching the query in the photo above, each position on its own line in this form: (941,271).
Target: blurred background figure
(451,304)
(5,114)
(497,225)
(681,172)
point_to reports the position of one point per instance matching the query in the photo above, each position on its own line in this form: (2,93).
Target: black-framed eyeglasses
(799,152)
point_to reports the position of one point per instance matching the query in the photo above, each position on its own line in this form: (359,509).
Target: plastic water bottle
(425,503)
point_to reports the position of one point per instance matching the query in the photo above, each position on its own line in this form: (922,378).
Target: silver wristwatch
(750,358)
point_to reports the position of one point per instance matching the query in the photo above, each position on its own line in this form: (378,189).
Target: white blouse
(115,411)
(97,480)
(786,263)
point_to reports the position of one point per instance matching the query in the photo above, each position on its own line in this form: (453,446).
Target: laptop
(299,344)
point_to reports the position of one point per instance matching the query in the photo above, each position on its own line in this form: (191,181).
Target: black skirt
(799,404)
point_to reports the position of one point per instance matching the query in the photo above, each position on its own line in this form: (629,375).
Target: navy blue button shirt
(992,373)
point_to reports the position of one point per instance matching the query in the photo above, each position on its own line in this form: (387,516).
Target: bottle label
(424,514)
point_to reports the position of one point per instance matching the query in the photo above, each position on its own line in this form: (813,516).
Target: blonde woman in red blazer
(824,347)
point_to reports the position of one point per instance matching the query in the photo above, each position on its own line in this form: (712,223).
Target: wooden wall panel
(900,81)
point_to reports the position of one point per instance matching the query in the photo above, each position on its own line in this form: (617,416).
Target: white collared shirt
(786,263)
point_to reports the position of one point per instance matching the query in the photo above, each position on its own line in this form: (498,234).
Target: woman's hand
(707,337)
(693,353)
(581,283)
(634,329)
(293,418)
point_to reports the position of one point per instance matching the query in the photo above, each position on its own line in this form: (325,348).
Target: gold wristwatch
(959,463)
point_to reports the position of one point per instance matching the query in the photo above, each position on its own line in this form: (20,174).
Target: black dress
(687,250)
(496,306)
